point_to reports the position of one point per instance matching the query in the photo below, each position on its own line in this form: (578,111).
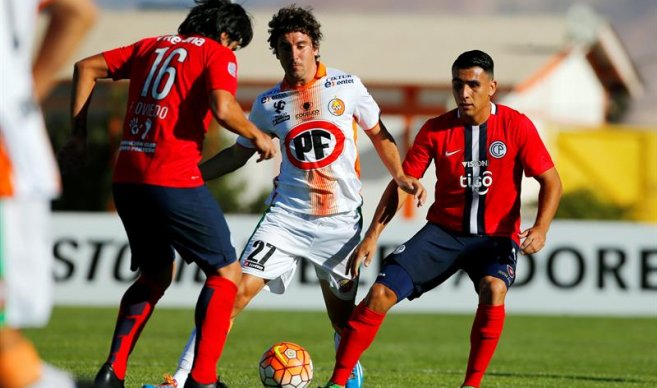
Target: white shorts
(27,284)
(283,238)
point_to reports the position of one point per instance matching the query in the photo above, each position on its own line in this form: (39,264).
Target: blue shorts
(434,254)
(160,219)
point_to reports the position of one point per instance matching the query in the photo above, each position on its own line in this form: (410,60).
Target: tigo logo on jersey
(480,183)
(336,107)
(497,149)
(314,144)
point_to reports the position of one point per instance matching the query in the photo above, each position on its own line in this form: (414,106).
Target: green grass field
(411,350)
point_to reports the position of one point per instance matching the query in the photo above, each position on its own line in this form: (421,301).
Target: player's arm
(226,161)
(85,74)
(69,22)
(392,200)
(229,114)
(549,196)
(386,147)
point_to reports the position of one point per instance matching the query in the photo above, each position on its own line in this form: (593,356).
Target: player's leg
(143,214)
(249,287)
(200,234)
(264,264)
(135,309)
(184,365)
(339,306)
(429,258)
(21,296)
(492,279)
(334,239)
(26,295)
(212,317)
(361,329)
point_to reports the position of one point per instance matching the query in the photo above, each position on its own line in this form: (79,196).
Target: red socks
(356,338)
(486,331)
(213,309)
(364,324)
(136,307)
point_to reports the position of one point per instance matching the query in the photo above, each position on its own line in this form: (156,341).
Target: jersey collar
(493,110)
(320,73)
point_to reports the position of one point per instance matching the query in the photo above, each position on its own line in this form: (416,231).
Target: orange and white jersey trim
(316,126)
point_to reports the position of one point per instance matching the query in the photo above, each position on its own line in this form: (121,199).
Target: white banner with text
(586,268)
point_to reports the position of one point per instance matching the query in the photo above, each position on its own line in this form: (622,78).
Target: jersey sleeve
(366,111)
(222,70)
(119,61)
(257,117)
(534,155)
(419,157)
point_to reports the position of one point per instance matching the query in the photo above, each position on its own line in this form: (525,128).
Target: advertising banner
(586,268)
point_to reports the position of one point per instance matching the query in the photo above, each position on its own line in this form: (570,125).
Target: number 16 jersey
(317,126)
(168,106)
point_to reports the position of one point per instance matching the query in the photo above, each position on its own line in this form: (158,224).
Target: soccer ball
(286,365)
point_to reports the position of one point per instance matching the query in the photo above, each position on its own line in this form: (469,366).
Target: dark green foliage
(584,204)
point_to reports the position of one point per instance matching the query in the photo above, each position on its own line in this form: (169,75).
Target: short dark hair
(474,58)
(211,18)
(293,19)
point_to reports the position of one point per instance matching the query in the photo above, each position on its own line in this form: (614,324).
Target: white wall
(569,93)
(586,268)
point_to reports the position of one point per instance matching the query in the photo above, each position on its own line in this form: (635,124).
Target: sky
(635,21)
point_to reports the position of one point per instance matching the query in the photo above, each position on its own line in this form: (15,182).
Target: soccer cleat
(106,378)
(356,377)
(190,383)
(169,382)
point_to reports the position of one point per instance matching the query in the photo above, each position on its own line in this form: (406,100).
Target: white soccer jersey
(317,129)
(28,175)
(31,171)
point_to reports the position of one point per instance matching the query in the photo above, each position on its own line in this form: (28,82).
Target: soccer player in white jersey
(314,208)
(29,178)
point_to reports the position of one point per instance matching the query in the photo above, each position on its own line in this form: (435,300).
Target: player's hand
(362,254)
(265,147)
(414,187)
(72,155)
(533,240)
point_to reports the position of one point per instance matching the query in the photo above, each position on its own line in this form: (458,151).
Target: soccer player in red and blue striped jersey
(480,151)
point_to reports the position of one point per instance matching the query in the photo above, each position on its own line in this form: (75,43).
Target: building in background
(567,72)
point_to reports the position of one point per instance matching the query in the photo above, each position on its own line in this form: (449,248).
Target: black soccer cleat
(191,383)
(106,378)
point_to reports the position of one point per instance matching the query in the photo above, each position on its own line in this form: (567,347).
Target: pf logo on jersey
(314,144)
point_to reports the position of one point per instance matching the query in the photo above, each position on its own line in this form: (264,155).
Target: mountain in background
(634,20)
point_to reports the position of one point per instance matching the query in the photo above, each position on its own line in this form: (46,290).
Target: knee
(232,272)
(242,298)
(245,292)
(492,291)
(380,298)
(159,278)
(154,286)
